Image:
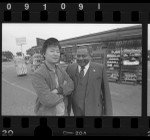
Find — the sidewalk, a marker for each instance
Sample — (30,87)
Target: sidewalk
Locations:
(126,99)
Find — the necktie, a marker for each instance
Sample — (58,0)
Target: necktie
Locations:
(81,72)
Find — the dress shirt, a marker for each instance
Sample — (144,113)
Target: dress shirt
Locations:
(85,68)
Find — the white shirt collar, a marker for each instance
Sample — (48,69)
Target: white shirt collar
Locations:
(85,69)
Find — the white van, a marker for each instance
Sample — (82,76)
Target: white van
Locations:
(20,65)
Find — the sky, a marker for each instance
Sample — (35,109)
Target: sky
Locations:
(11,31)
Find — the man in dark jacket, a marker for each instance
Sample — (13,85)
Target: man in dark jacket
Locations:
(91,95)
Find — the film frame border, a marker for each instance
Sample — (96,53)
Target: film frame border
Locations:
(143,127)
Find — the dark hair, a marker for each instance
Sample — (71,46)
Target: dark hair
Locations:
(49,42)
(85,47)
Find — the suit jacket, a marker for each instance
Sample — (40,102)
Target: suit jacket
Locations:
(43,83)
(98,98)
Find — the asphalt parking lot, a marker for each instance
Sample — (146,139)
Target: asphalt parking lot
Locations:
(18,95)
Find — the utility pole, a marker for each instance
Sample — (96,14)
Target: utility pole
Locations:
(21,50)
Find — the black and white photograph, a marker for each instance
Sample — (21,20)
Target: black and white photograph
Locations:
(148,74)
(55,69)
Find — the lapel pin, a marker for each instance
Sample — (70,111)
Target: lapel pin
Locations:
(93,70)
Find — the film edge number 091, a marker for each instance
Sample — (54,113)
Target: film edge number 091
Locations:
(62,6)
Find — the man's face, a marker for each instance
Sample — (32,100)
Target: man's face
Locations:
(83,57)
(52,54)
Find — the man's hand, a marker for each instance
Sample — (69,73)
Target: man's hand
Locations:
(65,82)
(55,91)
(60,91)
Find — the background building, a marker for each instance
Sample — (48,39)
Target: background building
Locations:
(36,49)
(120,50)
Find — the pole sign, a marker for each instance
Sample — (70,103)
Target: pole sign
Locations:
(21,41)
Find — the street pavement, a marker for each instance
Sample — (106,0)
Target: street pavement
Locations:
(18,95)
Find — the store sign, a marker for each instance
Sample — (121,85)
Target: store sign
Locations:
(21,41)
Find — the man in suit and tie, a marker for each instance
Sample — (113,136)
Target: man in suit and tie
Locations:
(91,95)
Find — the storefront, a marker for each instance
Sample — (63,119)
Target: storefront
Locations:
(124,61)
(120,50)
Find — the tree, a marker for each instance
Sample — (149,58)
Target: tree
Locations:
(19,53)
(7,54)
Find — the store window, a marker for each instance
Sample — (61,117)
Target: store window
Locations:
(124,61)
